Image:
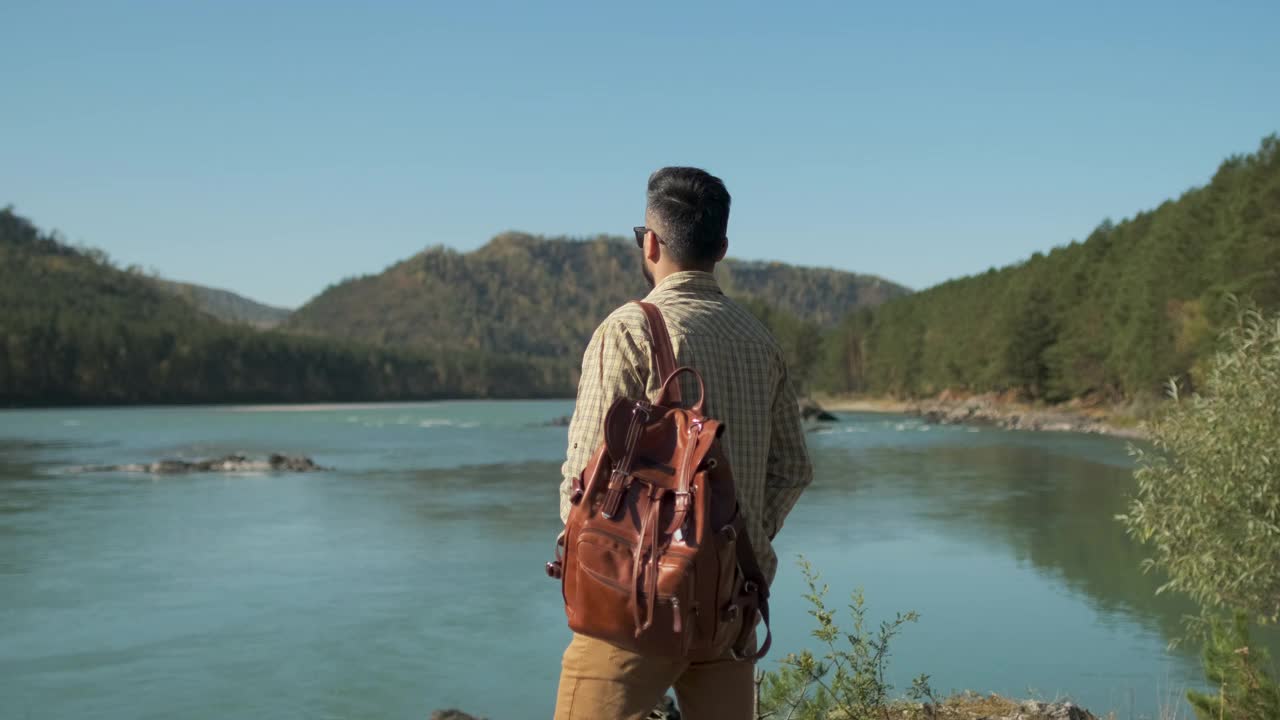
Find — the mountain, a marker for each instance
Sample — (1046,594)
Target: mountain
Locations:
(819,295)
(74,329)
(226,305)
(1114,317)
(544,296)
(508,320)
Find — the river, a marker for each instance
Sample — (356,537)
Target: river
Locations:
(410,576)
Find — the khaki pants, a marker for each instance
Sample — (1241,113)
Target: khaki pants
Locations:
(601,682)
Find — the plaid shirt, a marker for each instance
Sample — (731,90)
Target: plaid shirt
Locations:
(747,388)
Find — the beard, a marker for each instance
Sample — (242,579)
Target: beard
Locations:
(648,276)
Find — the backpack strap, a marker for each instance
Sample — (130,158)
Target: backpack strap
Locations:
(664,358)
(757,585)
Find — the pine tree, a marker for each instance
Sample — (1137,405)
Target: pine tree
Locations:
(1240,672)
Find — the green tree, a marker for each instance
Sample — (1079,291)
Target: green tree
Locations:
(1029,333)
(1239,671)
(801,340)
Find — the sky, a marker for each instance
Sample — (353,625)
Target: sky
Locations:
(274,148)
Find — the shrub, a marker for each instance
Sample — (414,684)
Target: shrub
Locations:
(848,682)
(1208,500)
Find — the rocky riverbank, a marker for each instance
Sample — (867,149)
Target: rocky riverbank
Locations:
(966,706)
(998,411)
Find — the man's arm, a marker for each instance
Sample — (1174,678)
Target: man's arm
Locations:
(612,368)
(788,471)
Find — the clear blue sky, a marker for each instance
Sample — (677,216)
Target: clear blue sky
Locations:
(273,148)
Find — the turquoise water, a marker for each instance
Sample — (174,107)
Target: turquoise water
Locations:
(410,577)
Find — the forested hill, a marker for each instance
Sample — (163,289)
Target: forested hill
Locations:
(1115,316)
(76,330)
(1112,317)
(226,305)
(817,295)
(543,297)
(509,320)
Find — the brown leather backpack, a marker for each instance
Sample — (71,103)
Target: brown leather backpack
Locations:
(655,557)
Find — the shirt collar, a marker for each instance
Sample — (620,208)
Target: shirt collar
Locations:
(688,281)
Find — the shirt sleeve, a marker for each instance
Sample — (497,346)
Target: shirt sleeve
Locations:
(788,470)
(615,365)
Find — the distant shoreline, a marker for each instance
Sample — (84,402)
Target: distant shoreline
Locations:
(946,409)
(282,406)
(989,409)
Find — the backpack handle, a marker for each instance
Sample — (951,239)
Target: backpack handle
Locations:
(674,389)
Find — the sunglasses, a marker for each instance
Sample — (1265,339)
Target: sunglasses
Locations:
(640,231)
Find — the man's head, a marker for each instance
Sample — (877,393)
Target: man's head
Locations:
(687,215)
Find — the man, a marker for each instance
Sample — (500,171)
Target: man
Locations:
(684,236)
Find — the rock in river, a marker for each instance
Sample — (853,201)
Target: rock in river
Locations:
(453,715)
(276,462)
(810,410)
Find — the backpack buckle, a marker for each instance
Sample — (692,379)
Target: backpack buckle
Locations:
(683,499)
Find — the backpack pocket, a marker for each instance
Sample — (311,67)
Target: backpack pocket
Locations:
(721,614)
(605,583)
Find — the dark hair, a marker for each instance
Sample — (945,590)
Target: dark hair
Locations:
(692,209)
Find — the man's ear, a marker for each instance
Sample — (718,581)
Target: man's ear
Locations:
(652,248)
(724,250)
